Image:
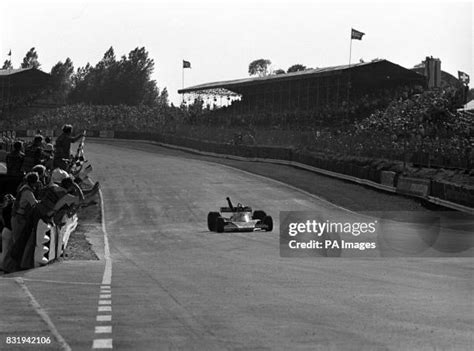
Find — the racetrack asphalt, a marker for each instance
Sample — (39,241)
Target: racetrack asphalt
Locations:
(175,285)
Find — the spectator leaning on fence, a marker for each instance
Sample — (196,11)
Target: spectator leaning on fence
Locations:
(22,208)
(43,178)
(15,160)
(63,147)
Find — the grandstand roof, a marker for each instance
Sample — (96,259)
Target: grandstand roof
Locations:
(7,72)
(24,77)
(237,84)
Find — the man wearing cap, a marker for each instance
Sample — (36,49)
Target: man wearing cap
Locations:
(63,146)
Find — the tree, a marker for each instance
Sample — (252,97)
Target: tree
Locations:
(259,67)
(104,80)
(163,99)
(108,60)
(134,74)
(7,65)
(31,59)
(279,71)
(61,75)
(296,68)
(111,82)
(80,84)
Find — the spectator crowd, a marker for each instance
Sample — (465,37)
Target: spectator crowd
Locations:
(388,124)
(50,189)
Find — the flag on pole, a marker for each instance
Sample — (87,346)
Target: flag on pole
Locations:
(463,77)
(10,53)
(186,64)
(355,34)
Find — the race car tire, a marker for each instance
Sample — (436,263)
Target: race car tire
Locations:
(211,220)
(220,224)
(258,214)
(268,221)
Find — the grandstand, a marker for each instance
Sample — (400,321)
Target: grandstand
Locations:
(21,86)
(313,89)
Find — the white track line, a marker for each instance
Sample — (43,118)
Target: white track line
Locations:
(104,309)
(107,277)
(44,316)
(104,318)
(105,302)
(102,329)
(102,344)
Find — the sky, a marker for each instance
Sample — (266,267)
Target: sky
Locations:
(220,38)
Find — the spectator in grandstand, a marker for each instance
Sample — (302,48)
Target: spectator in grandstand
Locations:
(63,147)
(15,160)
(22,208)
(33,154)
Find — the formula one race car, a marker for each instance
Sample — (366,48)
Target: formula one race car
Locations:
(238,219)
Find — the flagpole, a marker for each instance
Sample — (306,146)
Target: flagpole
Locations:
(350,51)
(182,94)
(9,82)
(349,79)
